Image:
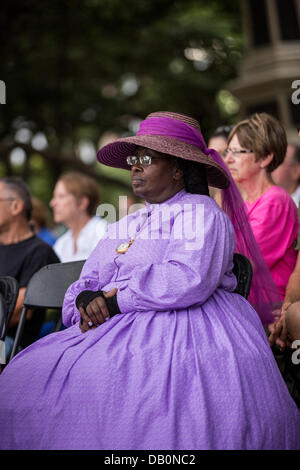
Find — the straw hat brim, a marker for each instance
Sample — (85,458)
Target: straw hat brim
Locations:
(115,153)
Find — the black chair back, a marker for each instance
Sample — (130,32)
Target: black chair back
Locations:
(46,289)
(9,289)
(242,269)
(48,286)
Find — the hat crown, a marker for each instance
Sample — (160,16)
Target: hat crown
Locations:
(180,117)
(176,139)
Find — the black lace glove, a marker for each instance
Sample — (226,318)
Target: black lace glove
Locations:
(86,296)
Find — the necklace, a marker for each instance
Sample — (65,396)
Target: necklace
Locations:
(124,246)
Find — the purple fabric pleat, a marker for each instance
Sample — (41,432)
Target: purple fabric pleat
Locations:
(264,295)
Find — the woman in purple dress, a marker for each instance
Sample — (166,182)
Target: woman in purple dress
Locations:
(159,352)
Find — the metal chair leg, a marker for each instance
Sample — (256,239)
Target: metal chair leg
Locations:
(19,333)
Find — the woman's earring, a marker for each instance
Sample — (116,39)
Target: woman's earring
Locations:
(178,174)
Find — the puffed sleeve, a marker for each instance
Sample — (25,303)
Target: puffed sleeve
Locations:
(189,272)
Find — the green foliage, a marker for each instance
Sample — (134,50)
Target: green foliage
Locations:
(77,69)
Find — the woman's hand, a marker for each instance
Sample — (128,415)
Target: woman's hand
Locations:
(96,312)
(279,334)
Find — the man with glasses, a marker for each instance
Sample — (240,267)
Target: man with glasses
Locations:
(218,139)
(21,253)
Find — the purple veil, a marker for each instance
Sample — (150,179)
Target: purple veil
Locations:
(264,295)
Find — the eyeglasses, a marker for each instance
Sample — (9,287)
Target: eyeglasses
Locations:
(226,129)
(145,160)
(236,151)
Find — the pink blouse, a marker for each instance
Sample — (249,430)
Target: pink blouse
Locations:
(274,221)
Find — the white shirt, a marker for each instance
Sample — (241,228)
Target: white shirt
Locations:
(87,240)
(296,196)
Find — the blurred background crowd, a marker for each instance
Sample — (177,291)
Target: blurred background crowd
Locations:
(78,74)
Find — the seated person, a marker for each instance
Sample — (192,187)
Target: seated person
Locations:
(74,203)
(21,253)
(218,142)
(256,147)
(218,139)
(287,174)
(159,351)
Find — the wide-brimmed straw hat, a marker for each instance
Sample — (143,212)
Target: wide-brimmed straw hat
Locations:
(114,154)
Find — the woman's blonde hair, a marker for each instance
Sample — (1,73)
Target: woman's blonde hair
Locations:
(81,185)
(263,134)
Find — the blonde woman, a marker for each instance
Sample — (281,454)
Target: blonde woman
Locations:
(256,147)
(74,203)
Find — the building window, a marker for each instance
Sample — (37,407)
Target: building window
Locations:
(288,20)
(295,112)
(259,22)
(271,108)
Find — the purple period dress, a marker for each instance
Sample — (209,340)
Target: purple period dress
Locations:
(186,365)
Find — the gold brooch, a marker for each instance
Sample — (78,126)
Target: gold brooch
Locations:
(124,247)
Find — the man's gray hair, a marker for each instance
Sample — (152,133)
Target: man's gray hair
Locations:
(21,190)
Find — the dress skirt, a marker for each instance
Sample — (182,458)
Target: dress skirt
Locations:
(201,378)
(186,365)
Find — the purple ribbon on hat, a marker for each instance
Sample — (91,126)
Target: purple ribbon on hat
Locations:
(170,127)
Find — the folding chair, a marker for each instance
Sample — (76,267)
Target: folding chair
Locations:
(242,269)
(46,289)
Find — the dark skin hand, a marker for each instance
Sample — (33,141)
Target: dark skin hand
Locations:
(96,312)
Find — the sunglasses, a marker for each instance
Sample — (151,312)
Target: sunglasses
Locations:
(145,160)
